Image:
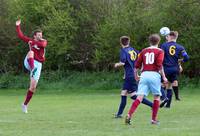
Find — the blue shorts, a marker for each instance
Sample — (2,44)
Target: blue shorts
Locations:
(171,73)
(149,81)
(35,73)
(130,85)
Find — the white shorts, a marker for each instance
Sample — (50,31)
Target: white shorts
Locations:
(35,73)
(149,81)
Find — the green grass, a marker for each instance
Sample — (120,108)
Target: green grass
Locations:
(75,113)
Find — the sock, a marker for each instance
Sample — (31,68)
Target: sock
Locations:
(147,102)
(163,93)
(122,105)
(133,107)
(28,97)
(31,63)
(176,92)
(144,101)
(155,109)
(169,96)
(134,97)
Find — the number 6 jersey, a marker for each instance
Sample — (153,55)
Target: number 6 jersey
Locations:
(173,52)
(150,59)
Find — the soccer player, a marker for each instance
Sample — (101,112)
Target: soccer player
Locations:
(128,55)
(33,60)
(174,53)
(150,62)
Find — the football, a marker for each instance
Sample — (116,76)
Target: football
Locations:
(164,31)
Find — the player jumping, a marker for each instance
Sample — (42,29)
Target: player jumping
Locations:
(33,60)
(172,59)
(128,56)
(150,62)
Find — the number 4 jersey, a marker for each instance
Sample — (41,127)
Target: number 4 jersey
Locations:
(150,59)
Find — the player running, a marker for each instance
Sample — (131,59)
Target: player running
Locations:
(150,62)
(174,53)
(128,56)
(33,60)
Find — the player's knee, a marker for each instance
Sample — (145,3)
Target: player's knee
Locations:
(32,88)
(123,93)
(157,97)
(175,83)
(140,97)
(30,54)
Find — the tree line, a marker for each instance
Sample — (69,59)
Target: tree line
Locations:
(84,34)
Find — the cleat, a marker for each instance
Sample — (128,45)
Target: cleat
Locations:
(164,102)
(24,108)
(118,116)
(128,120)
(155,122)
(178,99)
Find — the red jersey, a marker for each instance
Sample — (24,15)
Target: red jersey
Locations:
(38,47)
(150,59)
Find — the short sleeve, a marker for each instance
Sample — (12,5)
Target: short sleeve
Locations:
(122,56)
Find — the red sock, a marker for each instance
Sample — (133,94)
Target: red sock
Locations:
(133,107)
(28,97)
(155,109)
(31,63)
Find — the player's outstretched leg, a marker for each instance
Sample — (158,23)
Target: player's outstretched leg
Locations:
(164,98)
(29,95)
(169,96)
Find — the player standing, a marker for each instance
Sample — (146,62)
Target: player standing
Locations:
(128,56)
(174,53)
(33,60)
(150,62)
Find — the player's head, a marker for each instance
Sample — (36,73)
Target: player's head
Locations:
(154,39)
(37,34)
(124,40)
(172,36)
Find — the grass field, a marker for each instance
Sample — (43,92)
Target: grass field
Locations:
(90,113)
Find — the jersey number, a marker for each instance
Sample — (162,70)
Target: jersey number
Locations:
(172,50)
(133,55)
(149,57)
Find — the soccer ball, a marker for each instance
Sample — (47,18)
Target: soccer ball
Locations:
(164,31)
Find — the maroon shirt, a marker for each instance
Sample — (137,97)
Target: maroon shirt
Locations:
(38,47)
(150,59)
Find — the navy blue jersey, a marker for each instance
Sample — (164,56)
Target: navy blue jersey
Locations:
(173,52)
(128,56)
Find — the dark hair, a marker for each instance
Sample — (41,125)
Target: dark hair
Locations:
(173,34)
(124,40)
(37,31)
(154,39)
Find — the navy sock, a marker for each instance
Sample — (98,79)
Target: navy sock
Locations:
(122,105)
(169,96)
(144,101)
(134,97)
(163,93)
(147,102)
(176,92)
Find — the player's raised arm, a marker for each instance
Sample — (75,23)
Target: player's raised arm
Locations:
(20,33)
